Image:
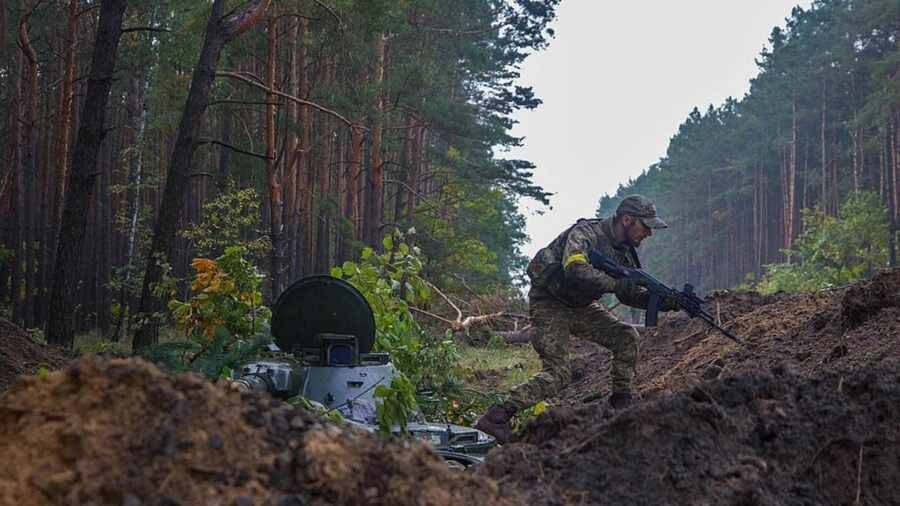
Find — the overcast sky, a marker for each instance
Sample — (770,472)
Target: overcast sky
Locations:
(616,82)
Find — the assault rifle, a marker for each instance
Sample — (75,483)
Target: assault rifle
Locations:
(686,299)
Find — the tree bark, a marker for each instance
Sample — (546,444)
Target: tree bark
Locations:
(306,248)
(272,176)
(60,329)
(219,32)
(64,114)
(375,201)
(893,190)
(137,115)
(823,197)
(792,177)
(354,181)
(289,216)
(27,169)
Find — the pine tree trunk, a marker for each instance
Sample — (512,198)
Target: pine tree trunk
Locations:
(291,171)
(272,176)
(28,168)
(791,212)
(355,179)
(375,206)
(60,328)
(323,187)
(219,31)
(893,189)
(305,250)
(403,194)
(823,196)
(137,123)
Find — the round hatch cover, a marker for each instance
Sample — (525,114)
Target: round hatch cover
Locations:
(321,305)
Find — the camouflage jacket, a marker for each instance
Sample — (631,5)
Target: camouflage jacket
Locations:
(561,270)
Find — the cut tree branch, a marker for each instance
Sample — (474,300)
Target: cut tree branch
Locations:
(331,11)
(242,102)
(229,146)
(239,77)
(145,29)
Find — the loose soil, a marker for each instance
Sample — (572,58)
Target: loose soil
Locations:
(805,414)
(121,432)
(20,354)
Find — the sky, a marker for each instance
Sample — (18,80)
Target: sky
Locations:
(617,80)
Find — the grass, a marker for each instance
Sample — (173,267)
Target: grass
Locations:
(94,342)
(498,367)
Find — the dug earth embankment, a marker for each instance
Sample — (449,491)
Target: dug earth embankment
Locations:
(806,413)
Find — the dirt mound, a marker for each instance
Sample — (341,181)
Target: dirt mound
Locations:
(20,354)
(838,330)
(805,414)
(122,432)
(772,438)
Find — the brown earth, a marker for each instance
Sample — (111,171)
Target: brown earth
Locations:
(805,414)
(20,354)
(122,432)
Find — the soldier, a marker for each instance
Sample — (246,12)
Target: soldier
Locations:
(563,299)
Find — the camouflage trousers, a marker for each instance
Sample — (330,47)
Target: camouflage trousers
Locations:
(554,322)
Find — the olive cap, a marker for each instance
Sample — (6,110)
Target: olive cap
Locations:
(641,208)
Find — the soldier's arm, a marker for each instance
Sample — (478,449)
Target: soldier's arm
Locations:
(632,295)
(578,271)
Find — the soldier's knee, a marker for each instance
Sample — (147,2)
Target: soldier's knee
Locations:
(628,347)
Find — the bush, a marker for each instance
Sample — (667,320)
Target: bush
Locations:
(391,283)
(224,320)
(833,251)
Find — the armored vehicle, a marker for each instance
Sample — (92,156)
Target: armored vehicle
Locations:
(324,331)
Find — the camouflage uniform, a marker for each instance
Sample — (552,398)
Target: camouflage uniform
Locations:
(564,297)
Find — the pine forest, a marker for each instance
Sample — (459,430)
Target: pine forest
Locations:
(821,122)
(301,252)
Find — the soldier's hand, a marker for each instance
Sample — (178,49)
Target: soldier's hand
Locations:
(670,304)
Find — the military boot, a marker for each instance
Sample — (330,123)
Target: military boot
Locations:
(496,423)
(620,400)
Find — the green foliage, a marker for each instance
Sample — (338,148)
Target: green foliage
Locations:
(103,347)
(834,251)
(215,359)
(824,80)
(474,234)
(524,417)
(6,255)
(231,219)
(398,404)
(226,294)
(332,415)
(391,283)
(224,320)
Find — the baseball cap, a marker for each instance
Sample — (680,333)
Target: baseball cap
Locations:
(642,208)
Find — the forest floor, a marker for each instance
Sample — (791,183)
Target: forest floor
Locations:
(806,414)
(21,354)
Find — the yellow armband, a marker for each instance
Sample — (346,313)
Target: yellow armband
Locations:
(576,258)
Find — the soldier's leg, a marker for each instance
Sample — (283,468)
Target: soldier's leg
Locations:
(602,327)
(552,321)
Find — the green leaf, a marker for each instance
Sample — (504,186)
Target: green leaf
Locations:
(336,272)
